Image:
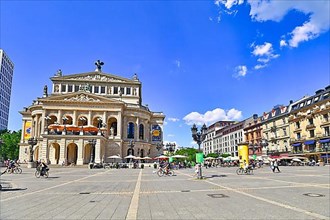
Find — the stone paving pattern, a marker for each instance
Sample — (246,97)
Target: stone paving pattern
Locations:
(82,193)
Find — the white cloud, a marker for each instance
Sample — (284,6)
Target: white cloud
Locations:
(178,63)
(240,71)
(317,23)
(261,50)
(173,119)
(210,117)
(283,43)
(260,66)
(170,135)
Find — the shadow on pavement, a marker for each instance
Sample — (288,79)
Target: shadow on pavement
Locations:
(213,176)
(4,189)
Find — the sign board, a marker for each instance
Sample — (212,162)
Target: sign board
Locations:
(199,158)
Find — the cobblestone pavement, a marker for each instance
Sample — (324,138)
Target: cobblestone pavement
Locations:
(81,193)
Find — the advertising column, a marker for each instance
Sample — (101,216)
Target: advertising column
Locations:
(243,154)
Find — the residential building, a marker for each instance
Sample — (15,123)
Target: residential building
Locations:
(89,117)
(6,78)
(226,139)
(208,143)
(310,125)
(252,135)
(275,129)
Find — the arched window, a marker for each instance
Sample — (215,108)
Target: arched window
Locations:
(141,131)
(114,127)
(130,130)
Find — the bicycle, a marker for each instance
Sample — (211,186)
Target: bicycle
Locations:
(241,171)
(162,172)
(39,172)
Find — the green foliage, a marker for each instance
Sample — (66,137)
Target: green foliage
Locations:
(224,155)
(9,148)
(189,152)
(214,155)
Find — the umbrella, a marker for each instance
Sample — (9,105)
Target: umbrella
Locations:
(56,126)
(72,128)
(179,156)
(209,158)
(130,157)
(114,157)
(90,128)
(146,158)
(296,159)
(162,157)
(138,158)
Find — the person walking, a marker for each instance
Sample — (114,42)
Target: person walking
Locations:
(276,166)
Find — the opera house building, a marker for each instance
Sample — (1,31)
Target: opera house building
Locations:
(89,117)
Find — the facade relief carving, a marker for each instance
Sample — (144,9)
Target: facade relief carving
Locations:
(82,98)
(97,78)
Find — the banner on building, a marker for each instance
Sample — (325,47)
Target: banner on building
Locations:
(156,132)
(27,130)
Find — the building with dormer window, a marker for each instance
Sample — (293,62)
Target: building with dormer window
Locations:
(89,117)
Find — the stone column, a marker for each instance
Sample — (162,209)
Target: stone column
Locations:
(80,156)
(136,135)
(63,150)
(119,126)
(98,151)
(89,118)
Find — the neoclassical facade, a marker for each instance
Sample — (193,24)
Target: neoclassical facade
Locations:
(90,117)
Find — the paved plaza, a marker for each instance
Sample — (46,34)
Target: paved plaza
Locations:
(81,193)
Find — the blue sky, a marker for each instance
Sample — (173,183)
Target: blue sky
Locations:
(199,61)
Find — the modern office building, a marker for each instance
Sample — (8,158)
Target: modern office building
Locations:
(89,117)
(6,78)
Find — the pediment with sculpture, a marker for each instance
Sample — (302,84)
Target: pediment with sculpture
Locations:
(80,97)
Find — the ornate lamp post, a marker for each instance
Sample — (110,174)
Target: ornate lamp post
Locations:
(82,122)
(264,144)
(170,147)
(31,141)
(199,137)
(159,146)
(326,146)
(47,119)
(92,143)
(64,123)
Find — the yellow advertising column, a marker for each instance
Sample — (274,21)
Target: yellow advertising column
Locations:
(243,154)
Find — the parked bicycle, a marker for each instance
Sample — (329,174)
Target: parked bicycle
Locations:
(241,171)
(161,172)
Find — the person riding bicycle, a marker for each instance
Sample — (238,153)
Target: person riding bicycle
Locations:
(44,167)
(245,166)
(167,168)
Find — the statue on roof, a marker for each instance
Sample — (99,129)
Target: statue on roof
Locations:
(45,91)
(99,65)
(135,77)
(58,73)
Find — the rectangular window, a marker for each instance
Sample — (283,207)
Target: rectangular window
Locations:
(102,89)
(70,88)
(122,90)
(284,132)
(128,91)
(297,125)
(298,136)
(115,90)
(310,121)
(63,88)
(96,89)
(311,133)
(76,88)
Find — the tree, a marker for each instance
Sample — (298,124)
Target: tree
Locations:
(9,148)
(214,155)
(189,152)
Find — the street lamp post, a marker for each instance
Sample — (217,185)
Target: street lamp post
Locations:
(326,145)
(31,141)
(82,122)
(64,123)
(47,119)
(92,143)
(170,147)
(264,144)
(159,146)
(199,137)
